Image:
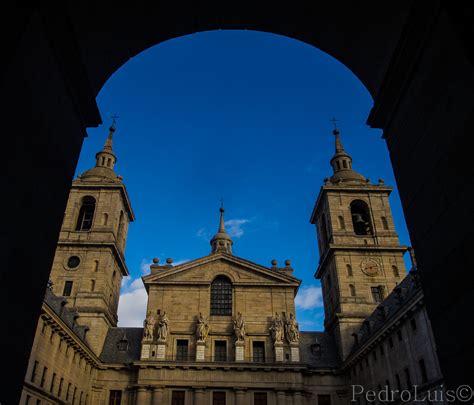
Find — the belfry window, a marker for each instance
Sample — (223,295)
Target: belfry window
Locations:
(86,214)
(377,293)
(361,218)
(352,290)
(221,296)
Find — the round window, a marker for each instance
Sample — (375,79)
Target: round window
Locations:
(73,262)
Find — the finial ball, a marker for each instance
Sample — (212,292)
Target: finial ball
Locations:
(169,260)
(156,260)
(287,262)
(274,262)
(335,131)
(221,209)
(111,128)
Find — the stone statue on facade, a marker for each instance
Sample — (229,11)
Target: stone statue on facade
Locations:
(202,328)
(276,329)
(292,329)
(239,327)
(163,327)
(149,326)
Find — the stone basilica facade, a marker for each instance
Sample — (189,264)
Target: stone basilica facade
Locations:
(221,329)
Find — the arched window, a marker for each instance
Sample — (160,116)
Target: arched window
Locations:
(385,223)
(221,296)
(349,270)
(352,290)
(120,226)
(96,265)
(361,218)
(323,232)
(92,285)
(396,273)
(342,224)
(86,214)
(106,218)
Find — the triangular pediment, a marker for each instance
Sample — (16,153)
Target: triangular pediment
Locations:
(205,269)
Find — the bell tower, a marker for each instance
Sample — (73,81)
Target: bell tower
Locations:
(89,262)
(361,259)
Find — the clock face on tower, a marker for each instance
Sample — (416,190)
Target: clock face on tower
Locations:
(369,267)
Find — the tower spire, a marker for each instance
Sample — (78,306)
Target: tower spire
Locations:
(106,157)
(341,162)
(221,241)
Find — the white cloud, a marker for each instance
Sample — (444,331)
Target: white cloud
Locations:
(203,233)
(145,266)
(132,304)
(309,297)
(234,227)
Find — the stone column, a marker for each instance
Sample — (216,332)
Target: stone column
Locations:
(281,398)
(239,396)
(297,398)
(143,396)
(157,396)
(199,396)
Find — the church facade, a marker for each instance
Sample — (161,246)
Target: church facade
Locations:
(223,330)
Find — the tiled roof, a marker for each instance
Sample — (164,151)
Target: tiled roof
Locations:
(394,303)
(325,356)
(67,315)
(112,354)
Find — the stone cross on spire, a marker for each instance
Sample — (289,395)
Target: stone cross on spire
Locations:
(221,241)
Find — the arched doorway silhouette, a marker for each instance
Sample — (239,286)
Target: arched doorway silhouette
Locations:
(415,59)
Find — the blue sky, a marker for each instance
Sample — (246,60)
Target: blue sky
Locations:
(242,115)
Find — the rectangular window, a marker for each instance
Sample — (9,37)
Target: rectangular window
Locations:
(407,378)
(260,398)
(374,354)
(67,392)
(377,294)
(413,325)
(53,380)
(67,289)
(382,352)
(324,399)
(178,397)
(115,397)
(27,401)
(182,350)
(424,375)
(259,352)
(43,327)
(43,376)
(390,342)
(218,398)
(220,350)
(33,372)
(74,396)
(399,335)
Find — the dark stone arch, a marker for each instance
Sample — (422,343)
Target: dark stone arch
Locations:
(415,58)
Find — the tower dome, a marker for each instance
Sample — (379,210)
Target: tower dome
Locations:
(221,242)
